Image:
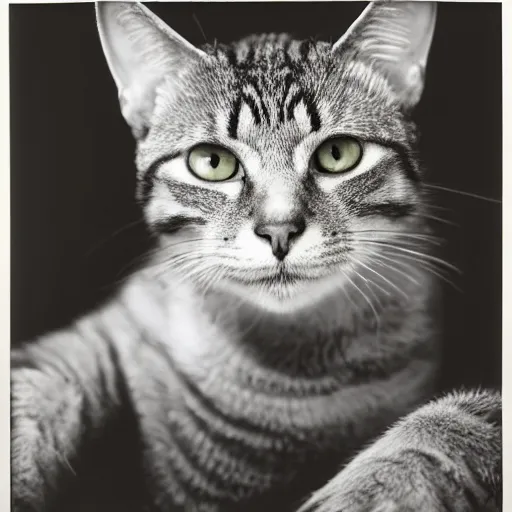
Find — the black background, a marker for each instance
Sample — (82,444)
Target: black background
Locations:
(74,217)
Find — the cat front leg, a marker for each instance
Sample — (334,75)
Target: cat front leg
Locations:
(444,457)
(62,395)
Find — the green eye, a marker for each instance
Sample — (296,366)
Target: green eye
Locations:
(212,163)
(338,155)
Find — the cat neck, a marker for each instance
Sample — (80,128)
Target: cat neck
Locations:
(219,332)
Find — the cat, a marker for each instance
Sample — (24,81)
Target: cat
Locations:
(280,347)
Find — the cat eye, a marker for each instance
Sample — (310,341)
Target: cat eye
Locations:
(340,154)
(212,163)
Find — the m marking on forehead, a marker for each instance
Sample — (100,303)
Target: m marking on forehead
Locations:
(299,106)
(307,99)
(252,98)
(244,100)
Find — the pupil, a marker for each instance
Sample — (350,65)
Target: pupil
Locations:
(335,152)
(214,160)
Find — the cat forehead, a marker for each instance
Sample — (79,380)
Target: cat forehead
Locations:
(270,79)
(273,65)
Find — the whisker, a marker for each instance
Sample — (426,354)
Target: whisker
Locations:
(415,236)
(384,279)
(378,257)
(426,265)
(179,263)
(365,298)
(429,257)
(369,282)
(436,218)
(346,293)
(196,19)
(463,193)
(196,272)
(395,250)
(108,238)
(433,206)
(62,457)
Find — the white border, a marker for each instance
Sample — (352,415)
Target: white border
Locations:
(507,245)
(5,254)
(5,213)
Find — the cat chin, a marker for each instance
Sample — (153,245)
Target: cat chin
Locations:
(289,298)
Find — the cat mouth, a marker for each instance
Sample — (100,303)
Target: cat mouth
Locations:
(281,276)
(284,287)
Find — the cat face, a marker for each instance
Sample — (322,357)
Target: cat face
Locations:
(281,170)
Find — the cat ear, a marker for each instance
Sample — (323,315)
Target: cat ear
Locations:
(396,37)
(141,50)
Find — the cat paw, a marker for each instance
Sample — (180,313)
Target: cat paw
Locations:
(410,481)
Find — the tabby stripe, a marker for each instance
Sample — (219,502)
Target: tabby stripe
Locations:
(351,372)
(286,47)
(307,98)
(312,111)
(231,56)
(192,477)
(236,109)
(228,431)
(249,57)
(304,50)
(257,90)
(408,167)
(149,175)
(403,153)
(251,103)
(388,209)
(436,467)
(234,118)
(293,103)
(204,200)
(288,61)
(214,463)
(108,377)
(257,451)
(177,222)
(119,384)
(207,405)
(287,84)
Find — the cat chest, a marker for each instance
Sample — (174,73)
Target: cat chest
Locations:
(222,451)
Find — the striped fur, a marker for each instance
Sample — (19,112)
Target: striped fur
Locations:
(249,382)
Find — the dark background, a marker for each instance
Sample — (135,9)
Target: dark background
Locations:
(74,218)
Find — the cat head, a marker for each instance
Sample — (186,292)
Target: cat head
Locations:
(281,170)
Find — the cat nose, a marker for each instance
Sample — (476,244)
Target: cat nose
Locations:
(280,235)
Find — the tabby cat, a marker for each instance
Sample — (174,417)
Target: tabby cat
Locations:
(279,347)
